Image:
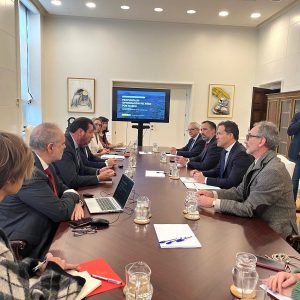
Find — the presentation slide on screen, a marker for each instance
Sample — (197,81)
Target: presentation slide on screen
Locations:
(141,104)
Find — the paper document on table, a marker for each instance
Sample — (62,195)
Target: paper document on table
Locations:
(200,186)
(117,157)
(145,152)
(154,173)
(187,179)
(119,148)
(275,295)
(90,283)
(176,236)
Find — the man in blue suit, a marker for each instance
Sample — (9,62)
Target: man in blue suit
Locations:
(195,145)
(294,150)
(234,160)
(210,155)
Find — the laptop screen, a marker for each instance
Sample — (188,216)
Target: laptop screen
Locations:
(123,190)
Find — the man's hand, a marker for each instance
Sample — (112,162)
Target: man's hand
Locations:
(77,213)
(106,175)
(61,262)
(205,193)
(193,172)
(173,150)
(282,283)
(199,177)
(181,160)
(111,162)
(205,201)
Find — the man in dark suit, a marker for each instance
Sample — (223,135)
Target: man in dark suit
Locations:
(294,150)
(210,155)
(195,145)
(71,168)
(234,160)
(33,214)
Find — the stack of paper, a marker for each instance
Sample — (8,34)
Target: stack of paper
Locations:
(154,173)
(275,295)
(143,152)
(117,157)
(176,236)
(191,183)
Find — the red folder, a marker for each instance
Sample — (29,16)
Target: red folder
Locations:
(100,267)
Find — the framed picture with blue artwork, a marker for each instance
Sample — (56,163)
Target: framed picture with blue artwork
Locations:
(81,95)
(220,101)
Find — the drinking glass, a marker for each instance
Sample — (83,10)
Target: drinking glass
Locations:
(163,157)
(142,209)
(132,161)
(129,172)
(139,286)
(155,147)
(174,172)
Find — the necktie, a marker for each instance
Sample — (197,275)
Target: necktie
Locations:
(206,145)
(78,156)
(52,181)
(192,144)
(223,163)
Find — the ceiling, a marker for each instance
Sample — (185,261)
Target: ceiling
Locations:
(174,10)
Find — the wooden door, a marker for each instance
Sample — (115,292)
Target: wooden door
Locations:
(259,104)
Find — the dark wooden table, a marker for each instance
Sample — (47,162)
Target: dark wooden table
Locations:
(189,274)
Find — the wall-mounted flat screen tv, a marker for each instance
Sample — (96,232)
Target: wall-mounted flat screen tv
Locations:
(140,105)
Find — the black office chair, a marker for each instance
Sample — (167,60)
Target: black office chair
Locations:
(294,241)
(18,246)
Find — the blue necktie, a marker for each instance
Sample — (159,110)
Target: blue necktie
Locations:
(222,163)
(192,144)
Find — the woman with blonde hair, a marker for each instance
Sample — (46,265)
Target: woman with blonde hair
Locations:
(16,165)
(95,145)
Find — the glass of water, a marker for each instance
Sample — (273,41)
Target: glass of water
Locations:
(155,147)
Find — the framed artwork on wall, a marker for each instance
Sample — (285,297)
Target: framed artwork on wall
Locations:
(81,95)
(220,101)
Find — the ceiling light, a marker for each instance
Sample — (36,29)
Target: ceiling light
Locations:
(158,9)
(255,15)
(90,4)
(223,13)
(191,11)
(125,7)
(56,2)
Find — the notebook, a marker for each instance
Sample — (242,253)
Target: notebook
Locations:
(116,203)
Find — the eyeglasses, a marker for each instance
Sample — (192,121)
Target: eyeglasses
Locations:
(190,129)
(84,230)
(249,135)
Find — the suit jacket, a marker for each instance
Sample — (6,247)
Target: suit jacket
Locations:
(294,130)
(208,158)
(196,149)
(90,160)
(238,162)
(73,172)
(34,213)
(265,192)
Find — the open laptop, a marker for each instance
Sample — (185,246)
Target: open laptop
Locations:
(116,203)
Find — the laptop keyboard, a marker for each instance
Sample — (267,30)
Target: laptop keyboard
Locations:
(105,204)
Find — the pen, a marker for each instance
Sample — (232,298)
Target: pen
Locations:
(39,265)
(106,279)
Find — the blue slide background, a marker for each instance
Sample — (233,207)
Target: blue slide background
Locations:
(141,105)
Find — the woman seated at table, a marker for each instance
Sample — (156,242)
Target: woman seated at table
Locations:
(95,145)
(105,143)
(16,164)
(287,284)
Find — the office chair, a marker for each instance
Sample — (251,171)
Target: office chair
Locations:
(18,246)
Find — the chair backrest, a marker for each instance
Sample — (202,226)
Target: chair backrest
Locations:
(290,166)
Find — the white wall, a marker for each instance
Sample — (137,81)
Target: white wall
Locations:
(110,50)
(278,57)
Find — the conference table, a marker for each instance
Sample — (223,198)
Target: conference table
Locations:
(200,273)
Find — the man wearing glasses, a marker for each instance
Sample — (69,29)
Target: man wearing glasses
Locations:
(195,145)
(266,189)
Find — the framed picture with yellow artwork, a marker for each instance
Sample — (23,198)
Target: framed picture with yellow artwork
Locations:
(81,95)
(220,101)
